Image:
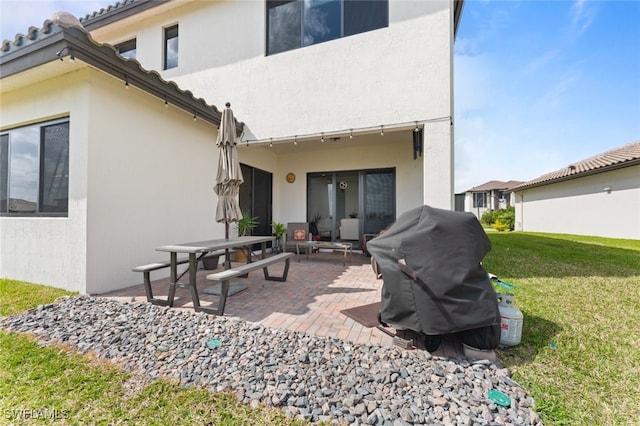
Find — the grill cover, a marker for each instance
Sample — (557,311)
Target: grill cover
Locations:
(433,280)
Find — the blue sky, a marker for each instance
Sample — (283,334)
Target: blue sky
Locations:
(538,84)
(542,84)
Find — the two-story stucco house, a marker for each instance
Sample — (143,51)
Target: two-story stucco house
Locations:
(107,131)
(492,195)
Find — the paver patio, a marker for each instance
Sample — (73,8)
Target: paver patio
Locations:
(309,301)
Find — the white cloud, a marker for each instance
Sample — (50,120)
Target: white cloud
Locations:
(541,61)
(582,15)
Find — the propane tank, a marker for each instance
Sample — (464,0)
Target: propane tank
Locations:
(511,320)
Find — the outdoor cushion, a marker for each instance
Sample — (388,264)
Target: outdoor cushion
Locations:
(299,234)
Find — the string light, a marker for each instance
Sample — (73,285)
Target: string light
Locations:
(126,81)
(68,49)
(166,103)
(194,116)
(402,126)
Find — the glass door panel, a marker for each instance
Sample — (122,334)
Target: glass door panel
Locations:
(348,205)
(321,205)
(344,205)
(379,200)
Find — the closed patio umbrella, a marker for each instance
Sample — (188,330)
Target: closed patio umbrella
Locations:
(229,176)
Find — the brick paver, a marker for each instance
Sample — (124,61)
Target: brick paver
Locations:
(309,301)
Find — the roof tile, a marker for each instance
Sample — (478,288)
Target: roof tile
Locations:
(628,154)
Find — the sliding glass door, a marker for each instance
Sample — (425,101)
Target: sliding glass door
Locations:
(256,197)
(379,209)
(343,205)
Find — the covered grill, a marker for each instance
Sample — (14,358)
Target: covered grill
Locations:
(434,283)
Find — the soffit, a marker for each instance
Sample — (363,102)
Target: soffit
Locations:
(53,42)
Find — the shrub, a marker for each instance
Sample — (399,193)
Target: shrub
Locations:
(489,217)
(505,219)
(499,226)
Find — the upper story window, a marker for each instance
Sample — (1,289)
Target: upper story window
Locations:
(170,47)
(34,170)
(296,23)
(127,49)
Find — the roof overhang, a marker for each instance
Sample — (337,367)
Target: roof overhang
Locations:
(119,11)
(634,162)
(56,43)
(458,5)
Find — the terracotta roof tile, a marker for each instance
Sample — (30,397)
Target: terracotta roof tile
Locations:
(105,57)
(495,185)
(90,18)
(107,9)
(619,157)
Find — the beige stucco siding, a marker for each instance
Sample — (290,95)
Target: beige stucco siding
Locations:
(398,74)
(396,152)
(39,249)
(582,206)
(152,172)
(149,172)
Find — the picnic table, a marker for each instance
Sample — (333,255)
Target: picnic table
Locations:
(196,251)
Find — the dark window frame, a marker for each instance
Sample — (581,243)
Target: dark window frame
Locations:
(126,47)
(170,34)
(349,24)
(482,197)
(43,149)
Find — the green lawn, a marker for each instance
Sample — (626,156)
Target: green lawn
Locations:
(59,384)
(579,356)
(581,296)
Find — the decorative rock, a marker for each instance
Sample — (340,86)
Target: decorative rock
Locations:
(317,379)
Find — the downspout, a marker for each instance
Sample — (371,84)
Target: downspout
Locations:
(521,201)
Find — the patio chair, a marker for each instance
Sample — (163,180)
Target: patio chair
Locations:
(296,231)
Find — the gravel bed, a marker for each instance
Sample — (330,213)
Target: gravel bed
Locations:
(318,379)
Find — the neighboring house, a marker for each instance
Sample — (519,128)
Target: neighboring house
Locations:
(492,195)
(599,196)
(103,160)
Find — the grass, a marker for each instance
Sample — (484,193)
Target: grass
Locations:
(61,386)
(581,294)
(18,296)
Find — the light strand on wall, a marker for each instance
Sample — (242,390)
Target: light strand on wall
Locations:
(335,135)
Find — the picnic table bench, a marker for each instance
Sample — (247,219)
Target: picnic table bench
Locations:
(155,266)
(223,277)
(199,250)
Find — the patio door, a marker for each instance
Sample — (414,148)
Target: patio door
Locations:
(365,199)
(256,197)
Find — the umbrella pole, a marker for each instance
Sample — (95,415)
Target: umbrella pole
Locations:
(227,260)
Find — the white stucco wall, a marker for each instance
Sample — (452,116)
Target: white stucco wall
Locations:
(396,152)
(398,74)
(583,207)
(141,176)
(152,172)
(45,250)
